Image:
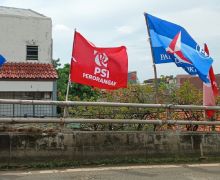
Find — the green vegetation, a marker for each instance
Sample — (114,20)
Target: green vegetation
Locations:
(76,91)
(169,93)
(109,162)
(134,93)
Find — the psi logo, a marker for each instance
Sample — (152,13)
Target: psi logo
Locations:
(101,60)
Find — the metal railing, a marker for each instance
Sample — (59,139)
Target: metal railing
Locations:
(107,104)
(167,107)
(118,121)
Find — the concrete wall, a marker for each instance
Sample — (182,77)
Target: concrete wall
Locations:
(31,147)
(19,31)
(26,86)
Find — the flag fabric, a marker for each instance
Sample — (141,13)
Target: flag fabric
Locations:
(172,43)
(210,90)
(104,68)
(212,75)
(2,60)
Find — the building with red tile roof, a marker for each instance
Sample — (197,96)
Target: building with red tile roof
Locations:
(26,43)
(28,71)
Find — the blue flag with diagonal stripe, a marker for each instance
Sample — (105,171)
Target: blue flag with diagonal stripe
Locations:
(172,43)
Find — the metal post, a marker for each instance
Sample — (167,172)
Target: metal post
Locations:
(154,65)
(65,113)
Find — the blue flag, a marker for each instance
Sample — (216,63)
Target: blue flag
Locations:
(2,60)
(172,43)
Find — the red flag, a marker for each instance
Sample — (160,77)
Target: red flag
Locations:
(210,90)
(104,68)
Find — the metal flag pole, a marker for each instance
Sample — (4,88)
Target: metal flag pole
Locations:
(154,65)
(65,112)
(67,94)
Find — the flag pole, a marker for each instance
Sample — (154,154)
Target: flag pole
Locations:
(154,65)
(67,94)
(65,112)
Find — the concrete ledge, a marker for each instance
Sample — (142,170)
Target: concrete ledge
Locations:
(97,145)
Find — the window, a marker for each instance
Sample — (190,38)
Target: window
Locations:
(6,95)
(32,53)
(26,95)
(47,95)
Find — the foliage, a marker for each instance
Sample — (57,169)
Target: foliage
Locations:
(187,94)
(56,63)
(76,91)
(132,94)
(168,92)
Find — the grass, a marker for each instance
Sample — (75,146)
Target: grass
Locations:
(109,162)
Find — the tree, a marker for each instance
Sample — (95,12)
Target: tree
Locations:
(166,89)
(188,94)
(56,63)
(76,91)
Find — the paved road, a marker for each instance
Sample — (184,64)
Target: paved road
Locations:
(157,172)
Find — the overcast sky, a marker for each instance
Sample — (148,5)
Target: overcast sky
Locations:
(121,22)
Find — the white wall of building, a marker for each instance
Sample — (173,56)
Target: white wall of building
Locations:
(26,86)
(18,31)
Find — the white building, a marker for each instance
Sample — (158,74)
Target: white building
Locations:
(26,43)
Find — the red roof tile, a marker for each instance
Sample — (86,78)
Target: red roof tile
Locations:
(22,70)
